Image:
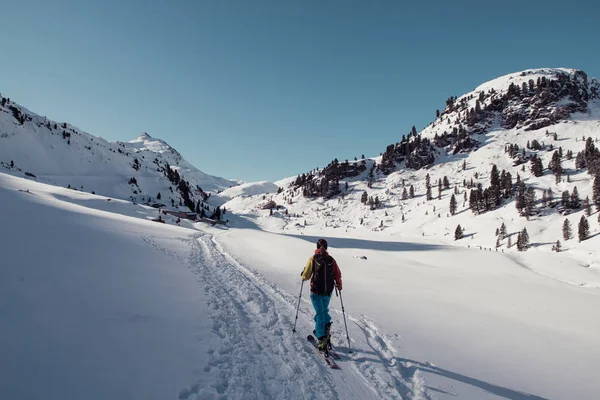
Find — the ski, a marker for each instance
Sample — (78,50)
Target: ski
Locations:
(330,349)
(327,356)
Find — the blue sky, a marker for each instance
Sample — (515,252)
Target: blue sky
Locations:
(261,90)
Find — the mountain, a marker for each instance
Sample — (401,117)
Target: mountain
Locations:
(102,299)
(61,154)
(520,150)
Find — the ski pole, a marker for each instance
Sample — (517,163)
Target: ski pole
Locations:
(344,314)
(298,308)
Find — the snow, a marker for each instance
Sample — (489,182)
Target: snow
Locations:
(90,163)
(102,302)
(207,312)
(245,190)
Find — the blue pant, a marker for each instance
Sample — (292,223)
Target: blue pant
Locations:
(322,317)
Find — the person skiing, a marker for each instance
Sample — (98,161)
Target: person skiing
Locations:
(324,273)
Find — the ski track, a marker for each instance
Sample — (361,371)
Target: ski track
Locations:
(258,356)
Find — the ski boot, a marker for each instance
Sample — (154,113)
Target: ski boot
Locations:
(328,335)
(322,346)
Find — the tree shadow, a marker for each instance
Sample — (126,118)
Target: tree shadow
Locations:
(541,244)
(594,235)
(351,243)
(462,211)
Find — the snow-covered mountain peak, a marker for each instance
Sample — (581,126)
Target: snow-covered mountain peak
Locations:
(502,83)
(60,154)
(145,142)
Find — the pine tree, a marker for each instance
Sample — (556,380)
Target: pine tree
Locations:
(498,243)
(458,233)
(596,191)
(404,194)
(587,206)
(428,193)
(446,183)
(523,240)
(574,202)
(529,201)
(583,229)
(158,196)
(557,246)
(452,205)
(536,166)
(567,231)
(464,165)
(502,231)
(509,245)
(565,199)
(364,197)
(411,191)
(520,200)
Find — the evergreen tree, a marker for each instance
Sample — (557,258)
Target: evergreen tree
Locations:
(364,197)
(428,193)
(574,201)
(474,201)
(427,180)
(583,229)
(529,201)
(520,200)
(557,246)
(523,240)
(536,166)
(567,231)
(446,183)
(544,198)
(458,233)
(587,206)
(404,194)
(565,200)
(464,165)
(452,205)
(411,191)
(596,191)
(502,231)
(158,196)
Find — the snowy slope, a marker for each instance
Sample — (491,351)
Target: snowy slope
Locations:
(60,154)
(418,219)
(133,322)
(113,305)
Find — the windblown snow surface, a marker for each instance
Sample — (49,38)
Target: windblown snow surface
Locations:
(101,302)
